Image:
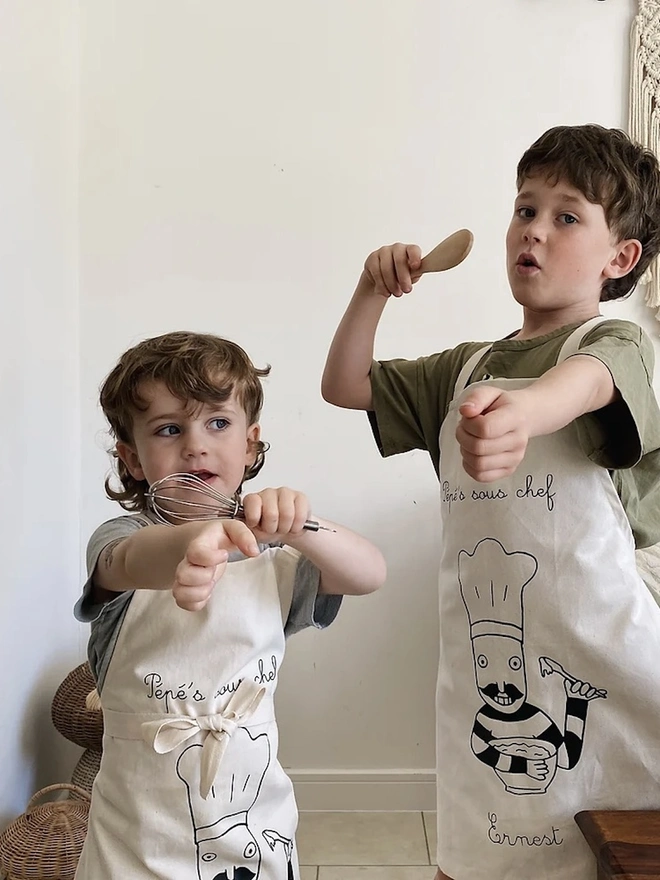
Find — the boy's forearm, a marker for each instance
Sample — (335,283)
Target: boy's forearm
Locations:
(349,564)
(145,560)
(346,380)
(579,385)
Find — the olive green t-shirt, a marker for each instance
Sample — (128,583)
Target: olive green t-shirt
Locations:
(411,399)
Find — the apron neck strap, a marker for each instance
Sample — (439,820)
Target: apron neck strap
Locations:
(572,344)
(570,347)
(468,368)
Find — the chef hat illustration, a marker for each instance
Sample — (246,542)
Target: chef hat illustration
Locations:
(492,583)
(235,788)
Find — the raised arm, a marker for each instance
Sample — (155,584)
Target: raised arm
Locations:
(581,384)
(389,271)
(190,558)
(163,557)
(496,425)
(349,564)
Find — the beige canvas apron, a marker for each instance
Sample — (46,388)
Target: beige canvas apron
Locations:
(189,786)
(548,697)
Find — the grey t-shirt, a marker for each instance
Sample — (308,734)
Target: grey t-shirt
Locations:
(308,607)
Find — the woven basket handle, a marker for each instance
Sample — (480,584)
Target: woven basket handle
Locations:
(66,786)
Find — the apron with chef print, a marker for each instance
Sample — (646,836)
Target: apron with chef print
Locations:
(189,786)
(548,695)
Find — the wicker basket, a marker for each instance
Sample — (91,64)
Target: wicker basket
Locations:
(46,841)
(85,771)
(70,714)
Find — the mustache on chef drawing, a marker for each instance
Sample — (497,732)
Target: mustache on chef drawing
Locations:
(493,690)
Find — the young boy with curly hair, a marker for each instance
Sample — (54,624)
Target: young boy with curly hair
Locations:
(189,624)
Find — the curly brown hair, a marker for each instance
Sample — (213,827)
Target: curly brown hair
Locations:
(609,170)
(195,367)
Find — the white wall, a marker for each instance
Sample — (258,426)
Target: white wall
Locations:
(39,399)
(238,163)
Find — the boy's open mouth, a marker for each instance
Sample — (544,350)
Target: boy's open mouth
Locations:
(203,475)
(528,261)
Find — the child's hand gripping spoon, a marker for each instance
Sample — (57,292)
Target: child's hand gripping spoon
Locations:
(449,253)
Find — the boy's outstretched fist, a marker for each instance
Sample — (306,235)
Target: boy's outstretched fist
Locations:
(206,560)
(392,270)
(493,433)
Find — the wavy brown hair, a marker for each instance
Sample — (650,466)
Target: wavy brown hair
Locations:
(196,368)
(609,170)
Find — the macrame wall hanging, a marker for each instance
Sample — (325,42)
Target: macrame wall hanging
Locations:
(644,107)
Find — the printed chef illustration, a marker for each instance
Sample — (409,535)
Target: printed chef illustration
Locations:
(229,846)
(517,740)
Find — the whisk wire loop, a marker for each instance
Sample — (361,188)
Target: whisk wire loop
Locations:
(188,498)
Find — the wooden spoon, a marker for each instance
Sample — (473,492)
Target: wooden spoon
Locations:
(449,253)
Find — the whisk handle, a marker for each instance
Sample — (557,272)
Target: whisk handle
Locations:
(309,525)
(312,526)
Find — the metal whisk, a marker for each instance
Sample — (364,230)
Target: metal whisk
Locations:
(187,498)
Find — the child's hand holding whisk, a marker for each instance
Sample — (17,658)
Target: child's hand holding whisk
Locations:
(275,514)
(270,515)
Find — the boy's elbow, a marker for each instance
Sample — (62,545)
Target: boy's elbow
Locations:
(376,579)
(331,391)
(326,392)
(372,587)
(381,573)
(369,579)
(353,396)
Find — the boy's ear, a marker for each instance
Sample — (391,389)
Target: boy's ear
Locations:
(628,254)
(253,436)
(130,458)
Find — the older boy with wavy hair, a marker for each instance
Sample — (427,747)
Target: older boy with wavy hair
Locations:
(547,447)
(189,784)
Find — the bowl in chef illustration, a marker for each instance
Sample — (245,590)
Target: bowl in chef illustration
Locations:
(519,741)
(540,758)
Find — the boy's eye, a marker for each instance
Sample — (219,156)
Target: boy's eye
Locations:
(167,431)
(219,424)
(568,219)
(525,213)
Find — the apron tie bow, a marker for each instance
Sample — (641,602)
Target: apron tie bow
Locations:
(165,735)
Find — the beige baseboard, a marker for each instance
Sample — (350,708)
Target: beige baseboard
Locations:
(370,791)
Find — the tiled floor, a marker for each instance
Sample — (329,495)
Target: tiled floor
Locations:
(366,846)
